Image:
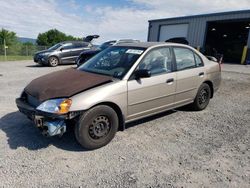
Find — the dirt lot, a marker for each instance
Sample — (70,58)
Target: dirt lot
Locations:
(179,148)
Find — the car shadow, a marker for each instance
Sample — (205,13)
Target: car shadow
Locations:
(186,108)
(21,132)
(46,66)
(35,66)
(148,119)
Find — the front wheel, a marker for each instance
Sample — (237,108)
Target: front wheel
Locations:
(202,98)
(96,127)
(53,61)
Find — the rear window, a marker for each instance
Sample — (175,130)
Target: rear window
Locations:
(184,58)
(68,46)
(198,60)
(80,45)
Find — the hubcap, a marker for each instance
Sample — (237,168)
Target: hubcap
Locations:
(203,96)
(99,127)
(53,61)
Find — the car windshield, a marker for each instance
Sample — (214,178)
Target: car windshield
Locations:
(56,46)
(114,61)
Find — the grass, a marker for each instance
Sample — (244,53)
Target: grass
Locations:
(15,58)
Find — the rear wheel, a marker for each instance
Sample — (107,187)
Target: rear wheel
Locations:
(202,98)
(53,61)
(96,127)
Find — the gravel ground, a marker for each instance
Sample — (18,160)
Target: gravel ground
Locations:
(179,148)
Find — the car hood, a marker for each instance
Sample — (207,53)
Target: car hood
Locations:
(64,83)
(43,51)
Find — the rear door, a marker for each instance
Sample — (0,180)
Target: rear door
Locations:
(71,51)
(156,93)
(78,48)
(190,74)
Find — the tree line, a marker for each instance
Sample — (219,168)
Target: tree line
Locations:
(52,37)
(46,39)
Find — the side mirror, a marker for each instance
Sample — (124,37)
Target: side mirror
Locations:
(61,49)
(143,73)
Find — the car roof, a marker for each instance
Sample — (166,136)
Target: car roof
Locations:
(127,40)
(151,44)
(74,42)
(142,44)
(110,41)
(139,44)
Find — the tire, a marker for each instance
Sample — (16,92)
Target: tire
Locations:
(97,127)
(202,98)
(53,61)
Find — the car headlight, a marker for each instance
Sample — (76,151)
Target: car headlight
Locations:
(43,54)
(58,106)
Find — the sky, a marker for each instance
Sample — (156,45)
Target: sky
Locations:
(111,19)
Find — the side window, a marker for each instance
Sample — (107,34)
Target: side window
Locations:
(77,45)
(198,60)
(184,58)
(67,46)
(81,45)
(158,61)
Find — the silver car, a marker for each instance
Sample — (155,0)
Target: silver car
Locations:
(121,84)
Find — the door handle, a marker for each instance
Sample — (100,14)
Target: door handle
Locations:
(201,74)
(170,80)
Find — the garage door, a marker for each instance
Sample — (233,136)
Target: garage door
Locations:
(172,31)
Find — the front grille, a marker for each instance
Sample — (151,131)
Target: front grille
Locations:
(33,101)
(36,57)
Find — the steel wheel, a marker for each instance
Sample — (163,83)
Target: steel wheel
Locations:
(97,127)
(203,96)
(100,127)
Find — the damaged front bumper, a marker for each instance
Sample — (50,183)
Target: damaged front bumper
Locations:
(50,124)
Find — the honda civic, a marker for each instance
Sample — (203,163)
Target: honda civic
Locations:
(122,83)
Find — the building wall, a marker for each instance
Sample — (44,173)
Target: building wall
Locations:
(197,25)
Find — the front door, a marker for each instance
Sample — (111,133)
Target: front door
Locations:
(156,93)
(66,53)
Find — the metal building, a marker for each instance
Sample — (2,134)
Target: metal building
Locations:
(224,33)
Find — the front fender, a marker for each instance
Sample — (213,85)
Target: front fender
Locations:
(115,92)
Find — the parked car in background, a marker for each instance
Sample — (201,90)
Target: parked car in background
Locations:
(121,84)
(64,52)
(180,40)
(86,55)
(61,53)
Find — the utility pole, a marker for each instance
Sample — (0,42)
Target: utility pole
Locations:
(4,46)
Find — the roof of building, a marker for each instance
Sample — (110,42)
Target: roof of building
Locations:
(203,15)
